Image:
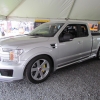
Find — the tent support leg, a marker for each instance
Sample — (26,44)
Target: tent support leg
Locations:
(70,10)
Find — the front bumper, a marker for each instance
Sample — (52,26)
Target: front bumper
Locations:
(11,71)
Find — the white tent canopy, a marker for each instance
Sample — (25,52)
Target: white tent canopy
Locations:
(50,9)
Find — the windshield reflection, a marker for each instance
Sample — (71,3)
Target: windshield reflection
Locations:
(47,29)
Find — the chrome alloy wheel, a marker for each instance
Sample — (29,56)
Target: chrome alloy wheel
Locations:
(40,69)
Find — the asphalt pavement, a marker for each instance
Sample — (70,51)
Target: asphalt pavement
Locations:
(76,82)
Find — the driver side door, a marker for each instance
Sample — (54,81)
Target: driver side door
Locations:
(69,51)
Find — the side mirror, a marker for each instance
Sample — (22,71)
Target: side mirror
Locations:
(67,37)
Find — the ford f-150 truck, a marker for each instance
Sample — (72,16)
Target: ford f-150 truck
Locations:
(47,48)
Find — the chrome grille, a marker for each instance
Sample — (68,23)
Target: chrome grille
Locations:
(3,55)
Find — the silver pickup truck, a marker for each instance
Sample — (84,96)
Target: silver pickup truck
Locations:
(47,48)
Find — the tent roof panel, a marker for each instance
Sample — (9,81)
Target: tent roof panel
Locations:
(86,10)
(43,9)
(30,9)
(7,6)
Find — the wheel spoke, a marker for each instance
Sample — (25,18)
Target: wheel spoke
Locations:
(44,62)
(36,74)
(38,63)
(41,74)
(33,69)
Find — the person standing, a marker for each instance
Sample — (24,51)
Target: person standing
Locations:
(2,31)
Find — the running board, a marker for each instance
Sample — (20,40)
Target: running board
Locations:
(79,61)
(92,56)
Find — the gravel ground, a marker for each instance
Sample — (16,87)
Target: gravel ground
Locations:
(76,82)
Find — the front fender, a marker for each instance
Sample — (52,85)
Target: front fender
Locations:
(39,51)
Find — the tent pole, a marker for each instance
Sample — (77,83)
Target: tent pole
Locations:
(2,17)
(70,10)
(15,8)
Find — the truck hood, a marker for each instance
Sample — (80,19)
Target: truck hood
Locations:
(21,40)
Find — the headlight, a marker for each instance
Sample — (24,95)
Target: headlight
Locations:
(14,55)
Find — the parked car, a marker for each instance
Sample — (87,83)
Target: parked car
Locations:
(47,48)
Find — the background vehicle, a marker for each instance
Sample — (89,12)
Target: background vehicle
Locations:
(47,48)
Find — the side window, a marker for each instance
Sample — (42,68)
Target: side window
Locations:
(83,31)
(73,30)
(70,31)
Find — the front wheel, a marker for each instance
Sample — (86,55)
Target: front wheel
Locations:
(38,69)
(98,54)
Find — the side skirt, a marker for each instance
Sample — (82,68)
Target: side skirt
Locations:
(78,61)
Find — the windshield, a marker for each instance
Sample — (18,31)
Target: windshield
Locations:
(46,30)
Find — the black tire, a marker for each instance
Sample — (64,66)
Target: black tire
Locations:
(98,54)
(33,64)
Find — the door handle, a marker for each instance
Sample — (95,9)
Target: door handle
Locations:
(79,42)
(70,39)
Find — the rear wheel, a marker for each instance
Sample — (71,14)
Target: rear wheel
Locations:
(38,69)
(98,54)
